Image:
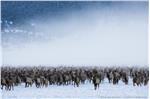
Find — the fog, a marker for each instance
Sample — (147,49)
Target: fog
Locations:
(83,38)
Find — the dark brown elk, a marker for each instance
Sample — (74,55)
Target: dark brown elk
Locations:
(96,81)
(3,83)
(83,77)
(28,82)
(109,76)
(125,77)
(76,81)
(116,77)
(38,82)
(9,84)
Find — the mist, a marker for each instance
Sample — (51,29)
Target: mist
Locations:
(89,37)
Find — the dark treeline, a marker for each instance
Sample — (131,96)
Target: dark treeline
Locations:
(46,76)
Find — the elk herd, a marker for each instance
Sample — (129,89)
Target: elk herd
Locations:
(46,76)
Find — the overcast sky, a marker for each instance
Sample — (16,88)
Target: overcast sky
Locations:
(75,33)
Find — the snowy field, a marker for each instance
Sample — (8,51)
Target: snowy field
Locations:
(105,90)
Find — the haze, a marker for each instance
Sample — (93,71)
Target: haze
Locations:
(114,35)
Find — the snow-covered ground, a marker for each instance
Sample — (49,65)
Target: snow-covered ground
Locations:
(105,90)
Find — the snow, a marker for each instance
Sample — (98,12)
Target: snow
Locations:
(105,90)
